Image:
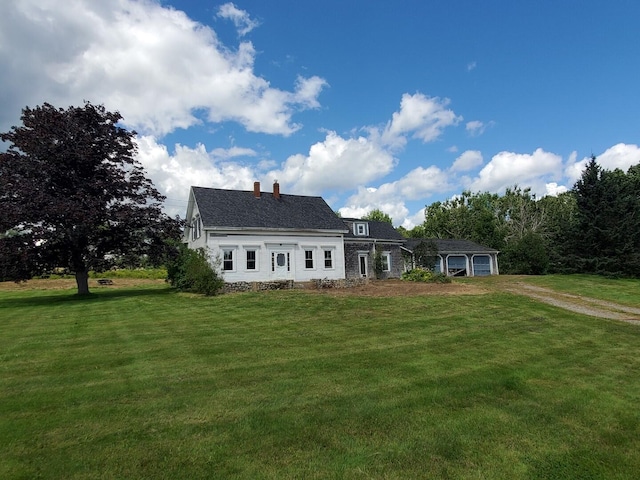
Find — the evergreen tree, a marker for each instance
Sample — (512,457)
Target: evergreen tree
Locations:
(560,227)
(606,237)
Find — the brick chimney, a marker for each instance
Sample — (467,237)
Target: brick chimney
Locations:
(256,189)
(276,190)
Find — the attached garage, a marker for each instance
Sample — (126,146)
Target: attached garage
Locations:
(457,258)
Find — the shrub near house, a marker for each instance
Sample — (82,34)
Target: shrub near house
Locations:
(425,275)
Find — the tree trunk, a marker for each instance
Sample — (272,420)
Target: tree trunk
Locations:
(82,280)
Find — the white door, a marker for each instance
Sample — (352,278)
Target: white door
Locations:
(281,264)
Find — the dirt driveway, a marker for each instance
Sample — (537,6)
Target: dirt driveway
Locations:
(575,303)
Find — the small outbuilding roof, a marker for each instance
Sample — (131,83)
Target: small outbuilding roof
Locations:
(448,246)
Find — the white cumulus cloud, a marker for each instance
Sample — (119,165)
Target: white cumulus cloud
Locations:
(412,220)
(527,170)
(469,160)
(476,128)
(159,68)
(368,199)
(173,173)
(240,18)
(336,163)
(620,156)
(390,197)
(553,189)
(421,117)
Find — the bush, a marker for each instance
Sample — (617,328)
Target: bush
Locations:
(425,275)
(526,256)
(191,271)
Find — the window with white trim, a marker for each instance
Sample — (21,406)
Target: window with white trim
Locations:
(386,261)
(228,259)
(308,259)
(360,229)
(328,259)
(252,262)
(481,265)
(196,228)
(457,265)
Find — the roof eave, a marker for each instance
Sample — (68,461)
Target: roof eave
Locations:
(373,239)
(274,230)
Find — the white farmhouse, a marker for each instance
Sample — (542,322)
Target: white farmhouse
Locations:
(264,236)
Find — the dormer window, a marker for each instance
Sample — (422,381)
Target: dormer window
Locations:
(361,229)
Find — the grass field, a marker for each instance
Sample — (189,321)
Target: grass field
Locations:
(148,383)
(625,291)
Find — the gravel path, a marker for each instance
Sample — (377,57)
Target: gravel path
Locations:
(578,304)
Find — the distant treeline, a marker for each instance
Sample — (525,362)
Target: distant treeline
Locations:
(593,228)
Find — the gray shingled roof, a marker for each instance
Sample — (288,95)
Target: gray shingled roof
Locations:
(377,230)
(450,245)
(241,209)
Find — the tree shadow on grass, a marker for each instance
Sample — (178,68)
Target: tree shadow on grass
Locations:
(58,297)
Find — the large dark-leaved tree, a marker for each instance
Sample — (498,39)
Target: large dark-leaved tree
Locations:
(72,195)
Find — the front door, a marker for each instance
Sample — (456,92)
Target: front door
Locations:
(281,264)
(362,262)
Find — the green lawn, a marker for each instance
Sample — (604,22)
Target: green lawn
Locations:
(625,291)
(148,383)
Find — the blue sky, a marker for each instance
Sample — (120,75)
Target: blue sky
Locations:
(370,104)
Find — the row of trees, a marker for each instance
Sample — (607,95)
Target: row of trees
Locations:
(594,228)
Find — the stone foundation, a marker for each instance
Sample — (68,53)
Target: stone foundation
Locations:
(317,284)
(258,286)
(342,283)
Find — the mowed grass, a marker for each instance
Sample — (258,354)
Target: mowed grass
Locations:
(148,383)
(625,291)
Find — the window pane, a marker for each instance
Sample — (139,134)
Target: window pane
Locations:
(195,228)
(386,261)
(328,263)
(457,265)
(251,259)
(308,259)
(481,265)
(363,265)
(227,264)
